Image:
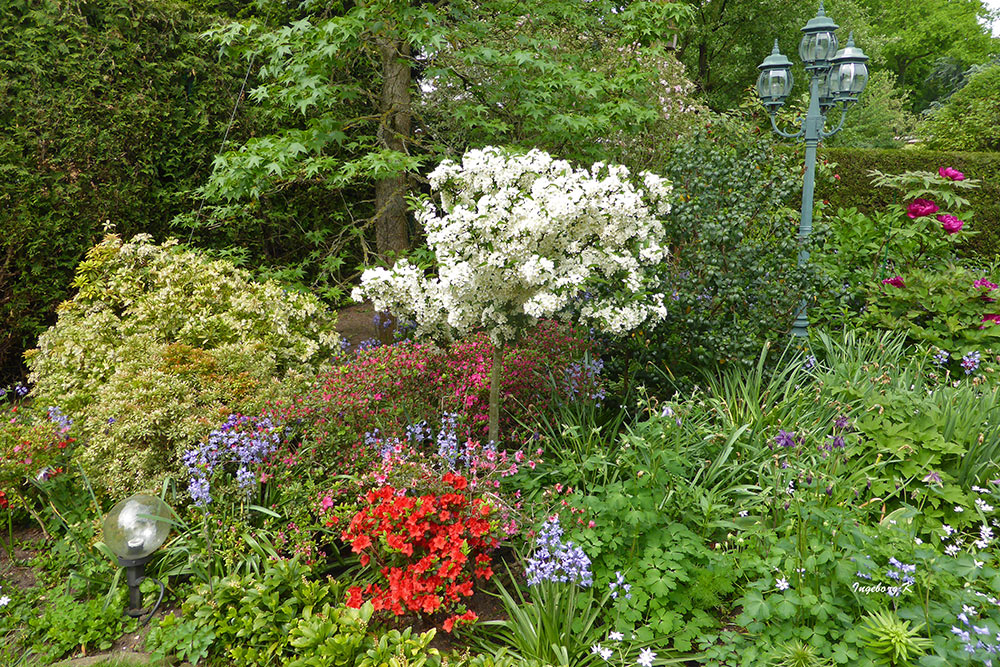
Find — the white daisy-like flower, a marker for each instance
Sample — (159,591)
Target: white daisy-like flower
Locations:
(959,509)
(646,658)
(615,636)
(781,584)
(4,600)
(951,549)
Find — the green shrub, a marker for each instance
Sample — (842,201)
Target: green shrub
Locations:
(159,345)
(281,617)
(732,276)
(853,189)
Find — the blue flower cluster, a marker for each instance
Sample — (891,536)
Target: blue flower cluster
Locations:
(901,572)
(57,417)
(975,633)
(368,344)
(581,380)
(557,562)
(447,438)
(970,362)
(941,357)
(619,583)
(785,439)
(245,441)
(19,390)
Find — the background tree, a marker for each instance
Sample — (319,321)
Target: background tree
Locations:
(917,33)
(381,87)
(970,119)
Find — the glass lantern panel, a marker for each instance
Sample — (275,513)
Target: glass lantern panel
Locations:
(826,80)
(781,83)
(763,89)
(807,48)
(845,78)
(860,78)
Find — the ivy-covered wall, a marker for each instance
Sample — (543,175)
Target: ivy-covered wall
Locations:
(854,186)
(110,111)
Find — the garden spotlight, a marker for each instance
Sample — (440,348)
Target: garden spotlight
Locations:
(133,530)
(834,76)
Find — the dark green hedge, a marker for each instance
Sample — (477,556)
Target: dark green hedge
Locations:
(110,110)
(854,187)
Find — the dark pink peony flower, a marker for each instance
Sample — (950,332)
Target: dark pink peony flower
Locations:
(951,174)
(895,281)
(921,207)
(951,224)
(991,318)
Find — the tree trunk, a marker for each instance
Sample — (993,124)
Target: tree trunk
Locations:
(495,393)
(394,129)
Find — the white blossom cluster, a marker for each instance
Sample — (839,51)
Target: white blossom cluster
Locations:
(527,236)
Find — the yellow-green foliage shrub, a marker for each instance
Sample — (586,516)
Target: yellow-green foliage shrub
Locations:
(160,344)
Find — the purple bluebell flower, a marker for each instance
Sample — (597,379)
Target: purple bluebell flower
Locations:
(555,561)
(784,439)
(970,362)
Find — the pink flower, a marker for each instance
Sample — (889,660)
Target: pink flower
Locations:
(983,282)
(895,281)
(921,207)
(991,318)
(951,174)
(951,224)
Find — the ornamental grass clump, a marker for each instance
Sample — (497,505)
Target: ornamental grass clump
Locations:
(526,237)
(159,344)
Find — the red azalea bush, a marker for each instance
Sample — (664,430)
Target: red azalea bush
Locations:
(428,548)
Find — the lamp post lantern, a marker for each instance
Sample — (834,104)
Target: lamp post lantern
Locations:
(835,76)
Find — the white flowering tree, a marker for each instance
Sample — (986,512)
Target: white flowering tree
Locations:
(525,236)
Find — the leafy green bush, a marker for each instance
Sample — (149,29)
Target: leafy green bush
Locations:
(67,624)
(159,344)
(897,269)
(281,617)
(732,277)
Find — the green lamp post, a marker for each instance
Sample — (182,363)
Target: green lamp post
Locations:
(834,77)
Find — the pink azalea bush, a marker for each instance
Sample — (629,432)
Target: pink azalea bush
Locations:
(390,387)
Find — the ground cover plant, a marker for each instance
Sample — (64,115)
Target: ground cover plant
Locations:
(477,488)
